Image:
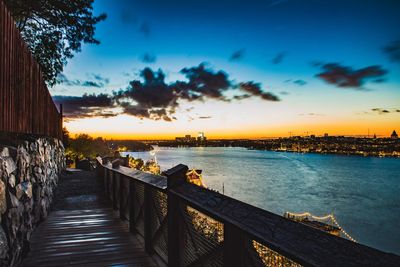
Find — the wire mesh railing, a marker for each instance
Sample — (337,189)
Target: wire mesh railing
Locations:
(186,225)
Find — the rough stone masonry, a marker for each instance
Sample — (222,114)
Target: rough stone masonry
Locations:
(29,172)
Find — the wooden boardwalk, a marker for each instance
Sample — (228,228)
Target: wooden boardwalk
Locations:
(83,230)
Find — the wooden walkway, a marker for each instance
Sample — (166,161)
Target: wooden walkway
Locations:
(83,230)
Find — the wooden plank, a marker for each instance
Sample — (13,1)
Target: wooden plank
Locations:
(26,104)
(86,237)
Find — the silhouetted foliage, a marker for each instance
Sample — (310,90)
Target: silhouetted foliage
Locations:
(85,146)
(65,137)
(54,30)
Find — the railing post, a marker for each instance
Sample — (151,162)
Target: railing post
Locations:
(234,248)
(121,197)
(175,177)
(131,201)
(147,219)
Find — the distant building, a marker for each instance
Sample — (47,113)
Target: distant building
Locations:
(201,137)
(187,139)
(394,135)
(325,134)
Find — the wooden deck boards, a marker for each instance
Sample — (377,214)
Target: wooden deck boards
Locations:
(93,236)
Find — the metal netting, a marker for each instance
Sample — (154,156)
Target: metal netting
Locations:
(261,255)
(110,184)
(159,222)
(116,188)
(138,198)
(124,205)
(203,239)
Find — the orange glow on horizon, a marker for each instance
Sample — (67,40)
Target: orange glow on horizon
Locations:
(381,129)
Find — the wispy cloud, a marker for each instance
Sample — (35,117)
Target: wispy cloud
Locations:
(393,51)
(237,55)
(298,82)
(96,81)
(278,58)
(148,58)
(311,114)
(382,111)
(144,28)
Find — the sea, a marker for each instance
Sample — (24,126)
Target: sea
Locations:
(363,193)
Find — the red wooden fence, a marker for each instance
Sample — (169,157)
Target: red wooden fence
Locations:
(26,105)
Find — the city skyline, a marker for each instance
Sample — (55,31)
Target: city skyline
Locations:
(233,70)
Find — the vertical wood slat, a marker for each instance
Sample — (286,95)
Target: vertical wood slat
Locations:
(26,105)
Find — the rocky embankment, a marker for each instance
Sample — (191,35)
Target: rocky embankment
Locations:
(29,172)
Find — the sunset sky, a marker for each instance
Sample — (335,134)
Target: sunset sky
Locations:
(236,69)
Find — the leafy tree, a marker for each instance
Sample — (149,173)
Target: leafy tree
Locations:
(85,146)
(65,137)
(54,30)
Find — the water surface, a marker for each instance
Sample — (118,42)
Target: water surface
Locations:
(362,192)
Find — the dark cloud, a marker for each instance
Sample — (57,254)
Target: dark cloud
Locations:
(203,83)
(381,111)
(99,83)
(393,51)
(153,98)
(148,58)
(101,79)
(381,80)
(86,106)
(347,77)
(278,58)
(237,55)
(300,82)
(240,97)
(255,90)
(145,29)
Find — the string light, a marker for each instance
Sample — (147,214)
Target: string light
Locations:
(329,216)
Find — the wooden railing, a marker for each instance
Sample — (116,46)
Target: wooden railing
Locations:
(186,225)
(25,102)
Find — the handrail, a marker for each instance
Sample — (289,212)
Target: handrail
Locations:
(242,223)
(299,242)
(157,181)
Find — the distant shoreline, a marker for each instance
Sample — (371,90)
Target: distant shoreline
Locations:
(366,147)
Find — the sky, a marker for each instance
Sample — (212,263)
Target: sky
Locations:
(236,69)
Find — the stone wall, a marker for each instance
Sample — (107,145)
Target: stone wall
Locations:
(29,171)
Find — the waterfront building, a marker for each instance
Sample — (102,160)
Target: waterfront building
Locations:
(201,137)
(394,135)
(186,139)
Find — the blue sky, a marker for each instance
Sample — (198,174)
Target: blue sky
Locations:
(296,34)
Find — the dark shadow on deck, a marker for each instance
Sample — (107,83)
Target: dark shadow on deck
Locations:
(83,230)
